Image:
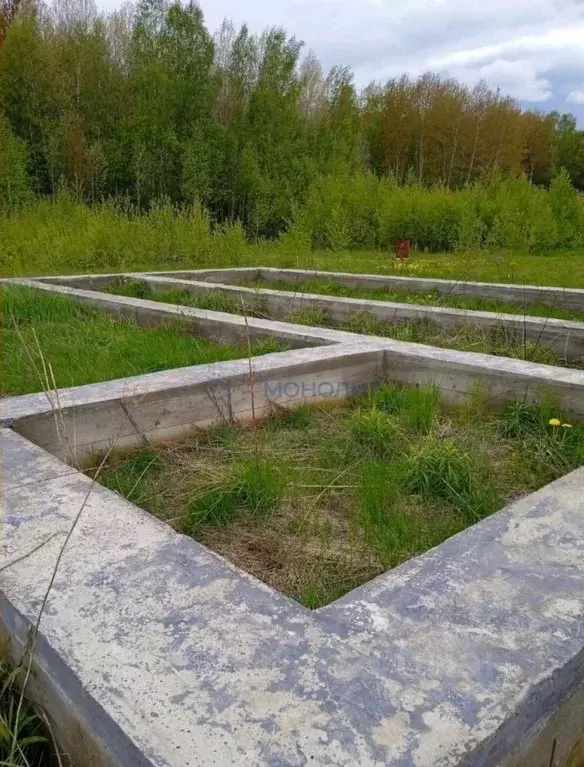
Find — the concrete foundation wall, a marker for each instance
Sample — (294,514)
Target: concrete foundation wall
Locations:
(158,652)
(557,741)
(155,652)
(86,734)
(564,337)
(172,405)
(567,298)
(227,328)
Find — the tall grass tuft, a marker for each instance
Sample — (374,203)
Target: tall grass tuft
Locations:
(260,485)
(213,506)
(416,407)
(439,470)
(374,431)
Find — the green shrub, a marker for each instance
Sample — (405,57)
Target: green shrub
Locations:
(568,211)
(15,191)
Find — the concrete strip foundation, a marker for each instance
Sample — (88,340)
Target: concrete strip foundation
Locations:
(154,650)
(566,298)
(521,295)
(565,337)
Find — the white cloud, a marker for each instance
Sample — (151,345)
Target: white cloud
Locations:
(575,97)
(515,77)
(515,45)
(531,49)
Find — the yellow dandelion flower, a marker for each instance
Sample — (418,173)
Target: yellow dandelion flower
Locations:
(555,422)
(567,425)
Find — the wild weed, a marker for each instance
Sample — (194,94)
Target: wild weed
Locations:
(260,485)
(213,506)
(378,493)
(289,417)
(313,317)
(374,431)
(130,477)
(440,470)
(24,740)
(132,288)
(416,406)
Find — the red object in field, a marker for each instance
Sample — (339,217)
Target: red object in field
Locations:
(402,248)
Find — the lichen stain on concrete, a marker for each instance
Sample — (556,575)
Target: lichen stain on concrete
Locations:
(446,737)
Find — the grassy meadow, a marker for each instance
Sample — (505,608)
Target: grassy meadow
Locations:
(50,341)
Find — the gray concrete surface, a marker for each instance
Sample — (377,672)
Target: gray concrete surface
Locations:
(566,298)
(155,651)
(564,337)
(162,653)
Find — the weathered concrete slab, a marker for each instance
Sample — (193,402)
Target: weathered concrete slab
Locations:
(155,651)
(162,653)
(567,298)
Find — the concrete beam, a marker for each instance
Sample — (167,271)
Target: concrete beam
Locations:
(564,337)
(566,298)
(174,404)
(456,373)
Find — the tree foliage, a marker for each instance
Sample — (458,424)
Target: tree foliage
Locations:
(143,104)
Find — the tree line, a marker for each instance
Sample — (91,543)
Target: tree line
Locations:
(144,104)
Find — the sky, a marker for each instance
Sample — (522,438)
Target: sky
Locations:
(531,49)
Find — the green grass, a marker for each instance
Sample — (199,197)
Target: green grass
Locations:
(214,300)
(501,342)
(319,500)
(51,340)
(24,737)
(560,268)
(430,298)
